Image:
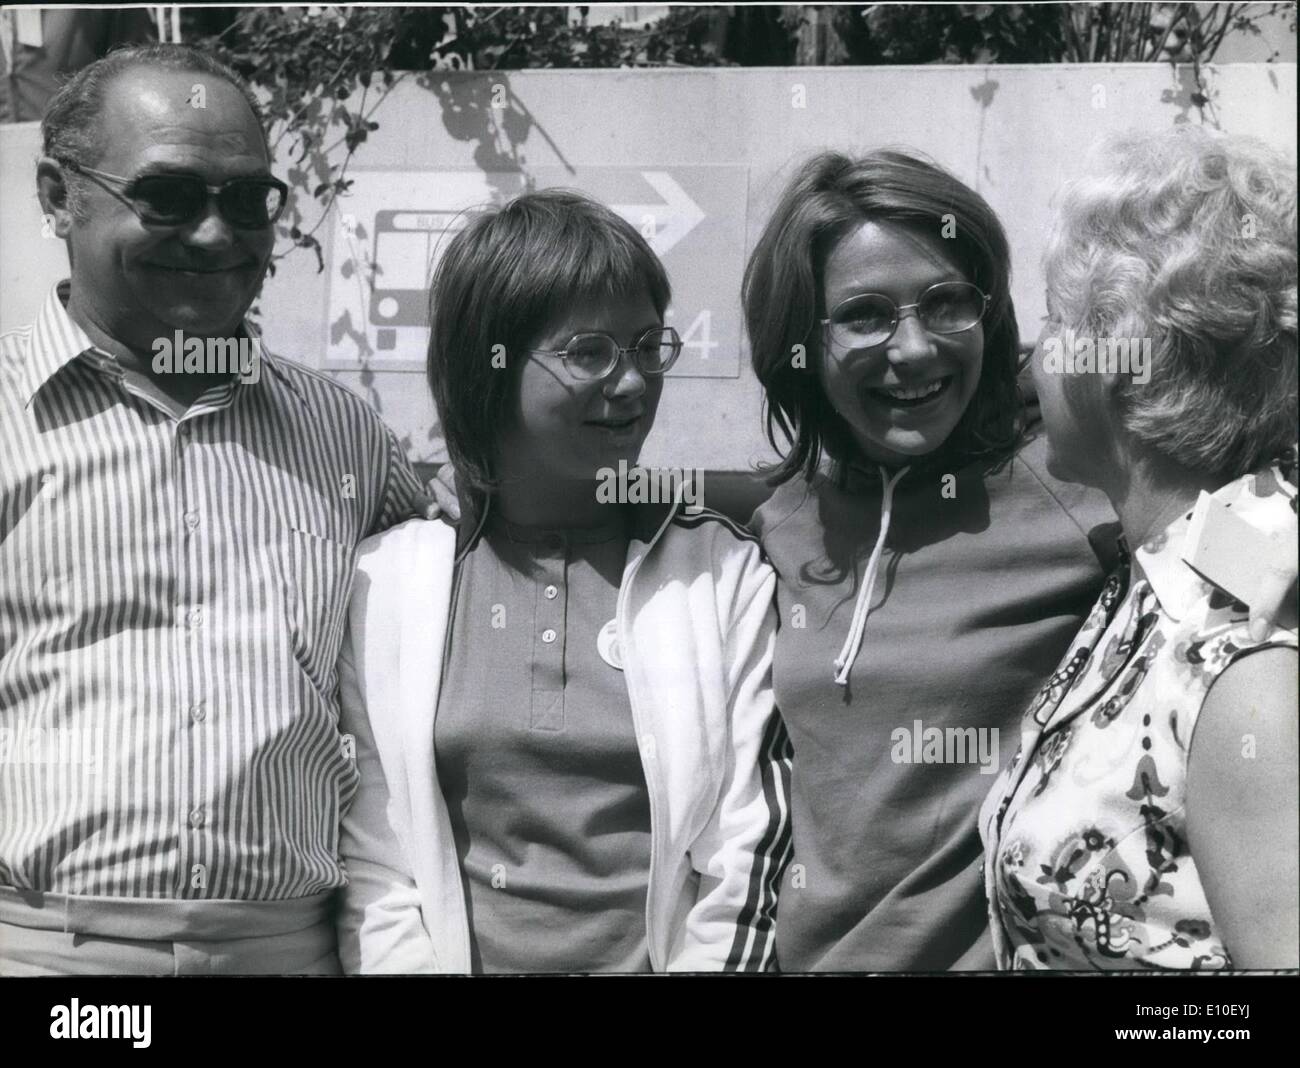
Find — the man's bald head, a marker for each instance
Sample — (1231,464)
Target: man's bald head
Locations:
(73,124)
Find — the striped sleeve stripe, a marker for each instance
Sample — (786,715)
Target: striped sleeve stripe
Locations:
(754,946)
(691,521)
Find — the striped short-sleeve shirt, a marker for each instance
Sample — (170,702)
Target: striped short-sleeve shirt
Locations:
(173,591)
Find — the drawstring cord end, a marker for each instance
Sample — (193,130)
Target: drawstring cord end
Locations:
(853,643)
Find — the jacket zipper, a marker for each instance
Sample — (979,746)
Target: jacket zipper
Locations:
(625,645)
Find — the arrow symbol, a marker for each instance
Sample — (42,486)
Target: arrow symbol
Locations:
(673,219)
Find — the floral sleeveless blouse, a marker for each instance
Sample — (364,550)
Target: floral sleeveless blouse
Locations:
(1087,864)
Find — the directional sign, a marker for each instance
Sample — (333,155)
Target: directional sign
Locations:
(669,219)
(394,225)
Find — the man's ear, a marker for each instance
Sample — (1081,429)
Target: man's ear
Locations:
(52,189)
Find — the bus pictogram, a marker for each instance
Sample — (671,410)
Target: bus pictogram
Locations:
(406,243)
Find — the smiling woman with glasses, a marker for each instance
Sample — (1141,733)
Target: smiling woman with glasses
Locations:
(570,688)
(870,319)
(930,570)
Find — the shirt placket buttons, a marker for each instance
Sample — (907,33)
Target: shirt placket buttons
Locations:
(548,669)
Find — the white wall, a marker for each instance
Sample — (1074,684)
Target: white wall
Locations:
(29,262)
(704,153)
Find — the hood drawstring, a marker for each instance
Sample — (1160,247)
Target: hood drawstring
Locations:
(853,643)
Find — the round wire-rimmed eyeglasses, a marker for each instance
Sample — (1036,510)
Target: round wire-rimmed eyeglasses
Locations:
(594,355)
(869,319)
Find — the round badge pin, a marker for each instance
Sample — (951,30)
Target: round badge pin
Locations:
(607,645)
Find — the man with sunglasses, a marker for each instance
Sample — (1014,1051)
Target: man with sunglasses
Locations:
(175,557)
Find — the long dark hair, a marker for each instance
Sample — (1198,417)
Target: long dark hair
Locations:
(830,196)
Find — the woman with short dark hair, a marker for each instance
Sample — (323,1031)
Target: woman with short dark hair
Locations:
(562,717)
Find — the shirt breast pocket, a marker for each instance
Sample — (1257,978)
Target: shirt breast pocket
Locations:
(28,555)
(317,578)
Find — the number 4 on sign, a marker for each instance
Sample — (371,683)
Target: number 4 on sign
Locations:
(699,335)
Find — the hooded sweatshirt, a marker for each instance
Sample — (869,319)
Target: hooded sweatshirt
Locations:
(914,606)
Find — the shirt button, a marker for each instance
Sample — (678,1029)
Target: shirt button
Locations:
(548,635)
(195,617)
(196,818)
(197,712)
(192,520)
(551,593)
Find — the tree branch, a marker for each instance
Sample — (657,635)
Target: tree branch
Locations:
(1230,13)
(1177,17)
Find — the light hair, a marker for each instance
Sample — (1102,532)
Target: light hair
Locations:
(1188,237)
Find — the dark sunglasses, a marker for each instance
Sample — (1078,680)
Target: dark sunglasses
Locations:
(179,199)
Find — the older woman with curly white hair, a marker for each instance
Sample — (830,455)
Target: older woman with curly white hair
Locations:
(1149,818)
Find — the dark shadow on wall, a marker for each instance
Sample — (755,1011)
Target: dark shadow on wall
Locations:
(484,108)
(983,94)
(1193,88)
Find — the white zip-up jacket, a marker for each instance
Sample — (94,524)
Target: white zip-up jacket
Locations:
(696,628)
